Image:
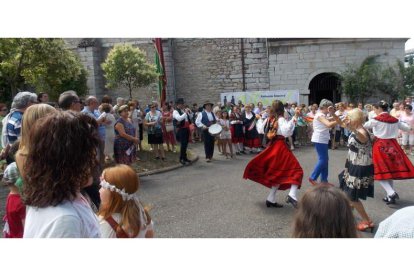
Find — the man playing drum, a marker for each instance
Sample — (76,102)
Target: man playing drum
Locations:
(182,121)
(204,120)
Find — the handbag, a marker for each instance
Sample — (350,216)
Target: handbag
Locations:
(169,127)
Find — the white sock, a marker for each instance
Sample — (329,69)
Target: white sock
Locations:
(272,195)
(293,191)
(386,184)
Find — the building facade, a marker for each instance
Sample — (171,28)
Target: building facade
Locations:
(200,69)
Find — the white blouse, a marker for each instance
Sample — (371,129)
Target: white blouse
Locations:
(285,127)
(320,131)
(386,130)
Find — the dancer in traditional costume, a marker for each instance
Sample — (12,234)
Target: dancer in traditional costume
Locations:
(358,177)
(276,167)
(204,120)
(251,136)
(390,161)
(236,129)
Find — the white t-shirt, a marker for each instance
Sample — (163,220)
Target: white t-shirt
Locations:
(108,232)
(70,219)
(320,131)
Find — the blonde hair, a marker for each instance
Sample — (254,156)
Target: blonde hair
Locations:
(30,116)
(356,115)
(124,177)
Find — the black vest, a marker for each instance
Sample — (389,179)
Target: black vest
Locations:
(177,123)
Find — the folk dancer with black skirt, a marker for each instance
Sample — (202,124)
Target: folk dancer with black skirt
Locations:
(204,120)
(276,167)
(183,129)
(251,136)
(236,129)
(357,180)
(390,161)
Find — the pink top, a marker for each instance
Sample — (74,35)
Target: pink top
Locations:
(311,115)
(409,120)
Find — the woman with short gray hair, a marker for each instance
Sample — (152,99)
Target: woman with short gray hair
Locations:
(320,138)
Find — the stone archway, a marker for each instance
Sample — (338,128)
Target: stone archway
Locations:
(325,86)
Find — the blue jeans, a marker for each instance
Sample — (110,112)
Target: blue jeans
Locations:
(321,167)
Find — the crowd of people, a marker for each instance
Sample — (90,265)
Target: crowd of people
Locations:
(82,199)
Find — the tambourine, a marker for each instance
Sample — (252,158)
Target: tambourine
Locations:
(215,129)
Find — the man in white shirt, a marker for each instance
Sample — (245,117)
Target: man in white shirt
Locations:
(182,123)
(204,120)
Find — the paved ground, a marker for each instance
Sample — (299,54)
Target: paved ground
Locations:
(211,200)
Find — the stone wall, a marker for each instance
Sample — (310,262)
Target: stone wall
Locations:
(204,68)
(201,69)
(294,63)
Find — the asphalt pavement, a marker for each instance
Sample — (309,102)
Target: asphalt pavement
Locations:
(212,200)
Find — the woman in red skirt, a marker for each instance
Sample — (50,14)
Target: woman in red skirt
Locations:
(236,129)
(390,161)
(276,167)
(251,136)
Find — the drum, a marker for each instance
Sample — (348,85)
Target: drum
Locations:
(215,129)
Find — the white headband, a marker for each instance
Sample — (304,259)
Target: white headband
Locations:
(125,195)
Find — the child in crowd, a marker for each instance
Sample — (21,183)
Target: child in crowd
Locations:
(324,212)
(225,135)
(121,214)
(15,209)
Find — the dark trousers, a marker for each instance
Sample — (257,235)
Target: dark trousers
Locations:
(182,136)
(208,144)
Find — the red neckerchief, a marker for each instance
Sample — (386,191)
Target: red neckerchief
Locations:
(386,118)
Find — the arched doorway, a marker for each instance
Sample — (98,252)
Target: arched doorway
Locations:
(325,86)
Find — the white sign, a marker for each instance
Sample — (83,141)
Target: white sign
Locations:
(266,97)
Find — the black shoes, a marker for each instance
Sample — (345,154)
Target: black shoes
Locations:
(243,152)
(292,201)
(185,162)
(391,199)
(275,205)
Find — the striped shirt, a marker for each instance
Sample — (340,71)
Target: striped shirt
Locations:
(14,125)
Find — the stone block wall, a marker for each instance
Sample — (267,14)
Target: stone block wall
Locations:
(204,68)
(200,69)
(294,63)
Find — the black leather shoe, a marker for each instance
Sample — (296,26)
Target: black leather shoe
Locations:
(292,201)
(187,160)
(182,162)
(275,205)
(392,199)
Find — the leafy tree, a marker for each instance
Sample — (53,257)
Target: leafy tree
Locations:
(371,78)
(407,81)
(128,67)
(42,63)
(77,84)
(359,82)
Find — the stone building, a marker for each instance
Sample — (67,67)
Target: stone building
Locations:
(201,69)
